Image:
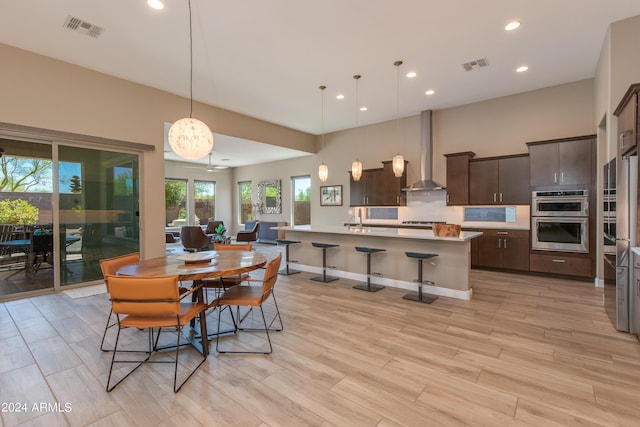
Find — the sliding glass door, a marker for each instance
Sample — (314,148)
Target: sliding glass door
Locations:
(98,194)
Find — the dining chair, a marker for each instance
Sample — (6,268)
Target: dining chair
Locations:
(194,239)
(151,302)
(249,235)
(110,266)
(224,283)
(253,296)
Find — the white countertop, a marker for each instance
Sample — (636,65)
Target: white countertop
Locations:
(402,233)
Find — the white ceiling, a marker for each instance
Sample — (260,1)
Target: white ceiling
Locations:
(266,59)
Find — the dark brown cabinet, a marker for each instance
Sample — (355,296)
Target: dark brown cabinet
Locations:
(458,178)
(628,120)
(565,264)
(503,248)
(561,162)
(378,187)
(499,180)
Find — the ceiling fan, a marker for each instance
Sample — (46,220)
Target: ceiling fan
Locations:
(209,168)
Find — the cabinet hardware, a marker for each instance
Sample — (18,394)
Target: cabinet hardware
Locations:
(500,197)
(499,243)
(398,199)
(502,232)
(448,201)
(562,178)
(494,197)
(560,260)
(505,243)
(555,177)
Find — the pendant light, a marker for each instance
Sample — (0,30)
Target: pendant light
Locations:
(323,169)
(398,161)
(190,138)
(356,166)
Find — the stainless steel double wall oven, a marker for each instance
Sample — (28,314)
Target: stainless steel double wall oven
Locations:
(560,220)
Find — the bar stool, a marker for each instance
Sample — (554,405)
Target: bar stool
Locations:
(286,271)
(419,296)
(368,286)
(324,278)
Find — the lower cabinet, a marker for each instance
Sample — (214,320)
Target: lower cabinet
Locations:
(570,265)
(501,248)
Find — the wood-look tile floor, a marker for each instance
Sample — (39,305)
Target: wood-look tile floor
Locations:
(524,351)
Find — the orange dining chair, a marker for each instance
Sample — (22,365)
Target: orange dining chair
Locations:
(150,302)
(253,296)
(110,266)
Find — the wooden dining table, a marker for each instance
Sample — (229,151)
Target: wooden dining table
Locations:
(195,267)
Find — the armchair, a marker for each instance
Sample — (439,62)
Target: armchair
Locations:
(249,235)
(194,239)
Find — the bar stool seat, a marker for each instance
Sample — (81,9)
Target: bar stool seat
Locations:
(283,242)
(368,286)
(419,296)
(324,278)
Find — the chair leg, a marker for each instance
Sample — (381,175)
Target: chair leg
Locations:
(266,331)
(176,388)
(113,361)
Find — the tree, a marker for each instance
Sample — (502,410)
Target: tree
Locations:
(174,193)
(75,186)
(22,174)
(18,212)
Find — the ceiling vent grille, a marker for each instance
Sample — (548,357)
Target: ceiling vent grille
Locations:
(474,65)
(83,27)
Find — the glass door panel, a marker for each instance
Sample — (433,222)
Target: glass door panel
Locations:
(99,213)
(26,217)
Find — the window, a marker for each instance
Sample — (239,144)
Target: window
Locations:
(246,211)
(205,200)
(301,212)
(175,196)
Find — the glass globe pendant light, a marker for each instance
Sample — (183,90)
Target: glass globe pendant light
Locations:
(323,169)
(397,162)
(356,166)
(190,138)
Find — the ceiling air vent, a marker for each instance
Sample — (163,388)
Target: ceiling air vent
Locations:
(83,27)
(474,65)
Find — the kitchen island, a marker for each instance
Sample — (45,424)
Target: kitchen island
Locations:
(449,270)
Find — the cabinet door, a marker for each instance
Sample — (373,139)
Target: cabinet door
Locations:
(513,179)
(627,131)
(374,187)
(458,180)
(543,164)
(515,248)
(483,182)
(575,162)
(357,190)
(392,194)
(490,251)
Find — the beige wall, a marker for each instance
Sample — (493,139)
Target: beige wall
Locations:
(45,93)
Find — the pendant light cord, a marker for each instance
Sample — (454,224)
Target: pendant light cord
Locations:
(190,64)
(322,88)
(398,64)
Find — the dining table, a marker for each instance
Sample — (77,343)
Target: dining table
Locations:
(195,267)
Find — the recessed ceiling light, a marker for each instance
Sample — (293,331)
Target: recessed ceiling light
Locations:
(156,4)
(340,96)
(412,74)
(512,26)
(430,92)
(522,69)
(363,108)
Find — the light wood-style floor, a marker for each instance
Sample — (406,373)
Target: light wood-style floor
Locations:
(525,351)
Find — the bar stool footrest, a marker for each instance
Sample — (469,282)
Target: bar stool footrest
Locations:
(324,279)
(368,287)
(415,296)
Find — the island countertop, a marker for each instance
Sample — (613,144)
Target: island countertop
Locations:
(402,233)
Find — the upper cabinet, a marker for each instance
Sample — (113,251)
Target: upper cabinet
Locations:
(378,187)
(562,162)
(628,119)
(458,178)
(499,180)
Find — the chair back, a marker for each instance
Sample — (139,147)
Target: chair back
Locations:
(213,225)
(194,238)
(249,235)
(144,296)
(270,276)
(234,247)
(112,265)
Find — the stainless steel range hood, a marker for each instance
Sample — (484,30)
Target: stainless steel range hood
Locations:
(426,156)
